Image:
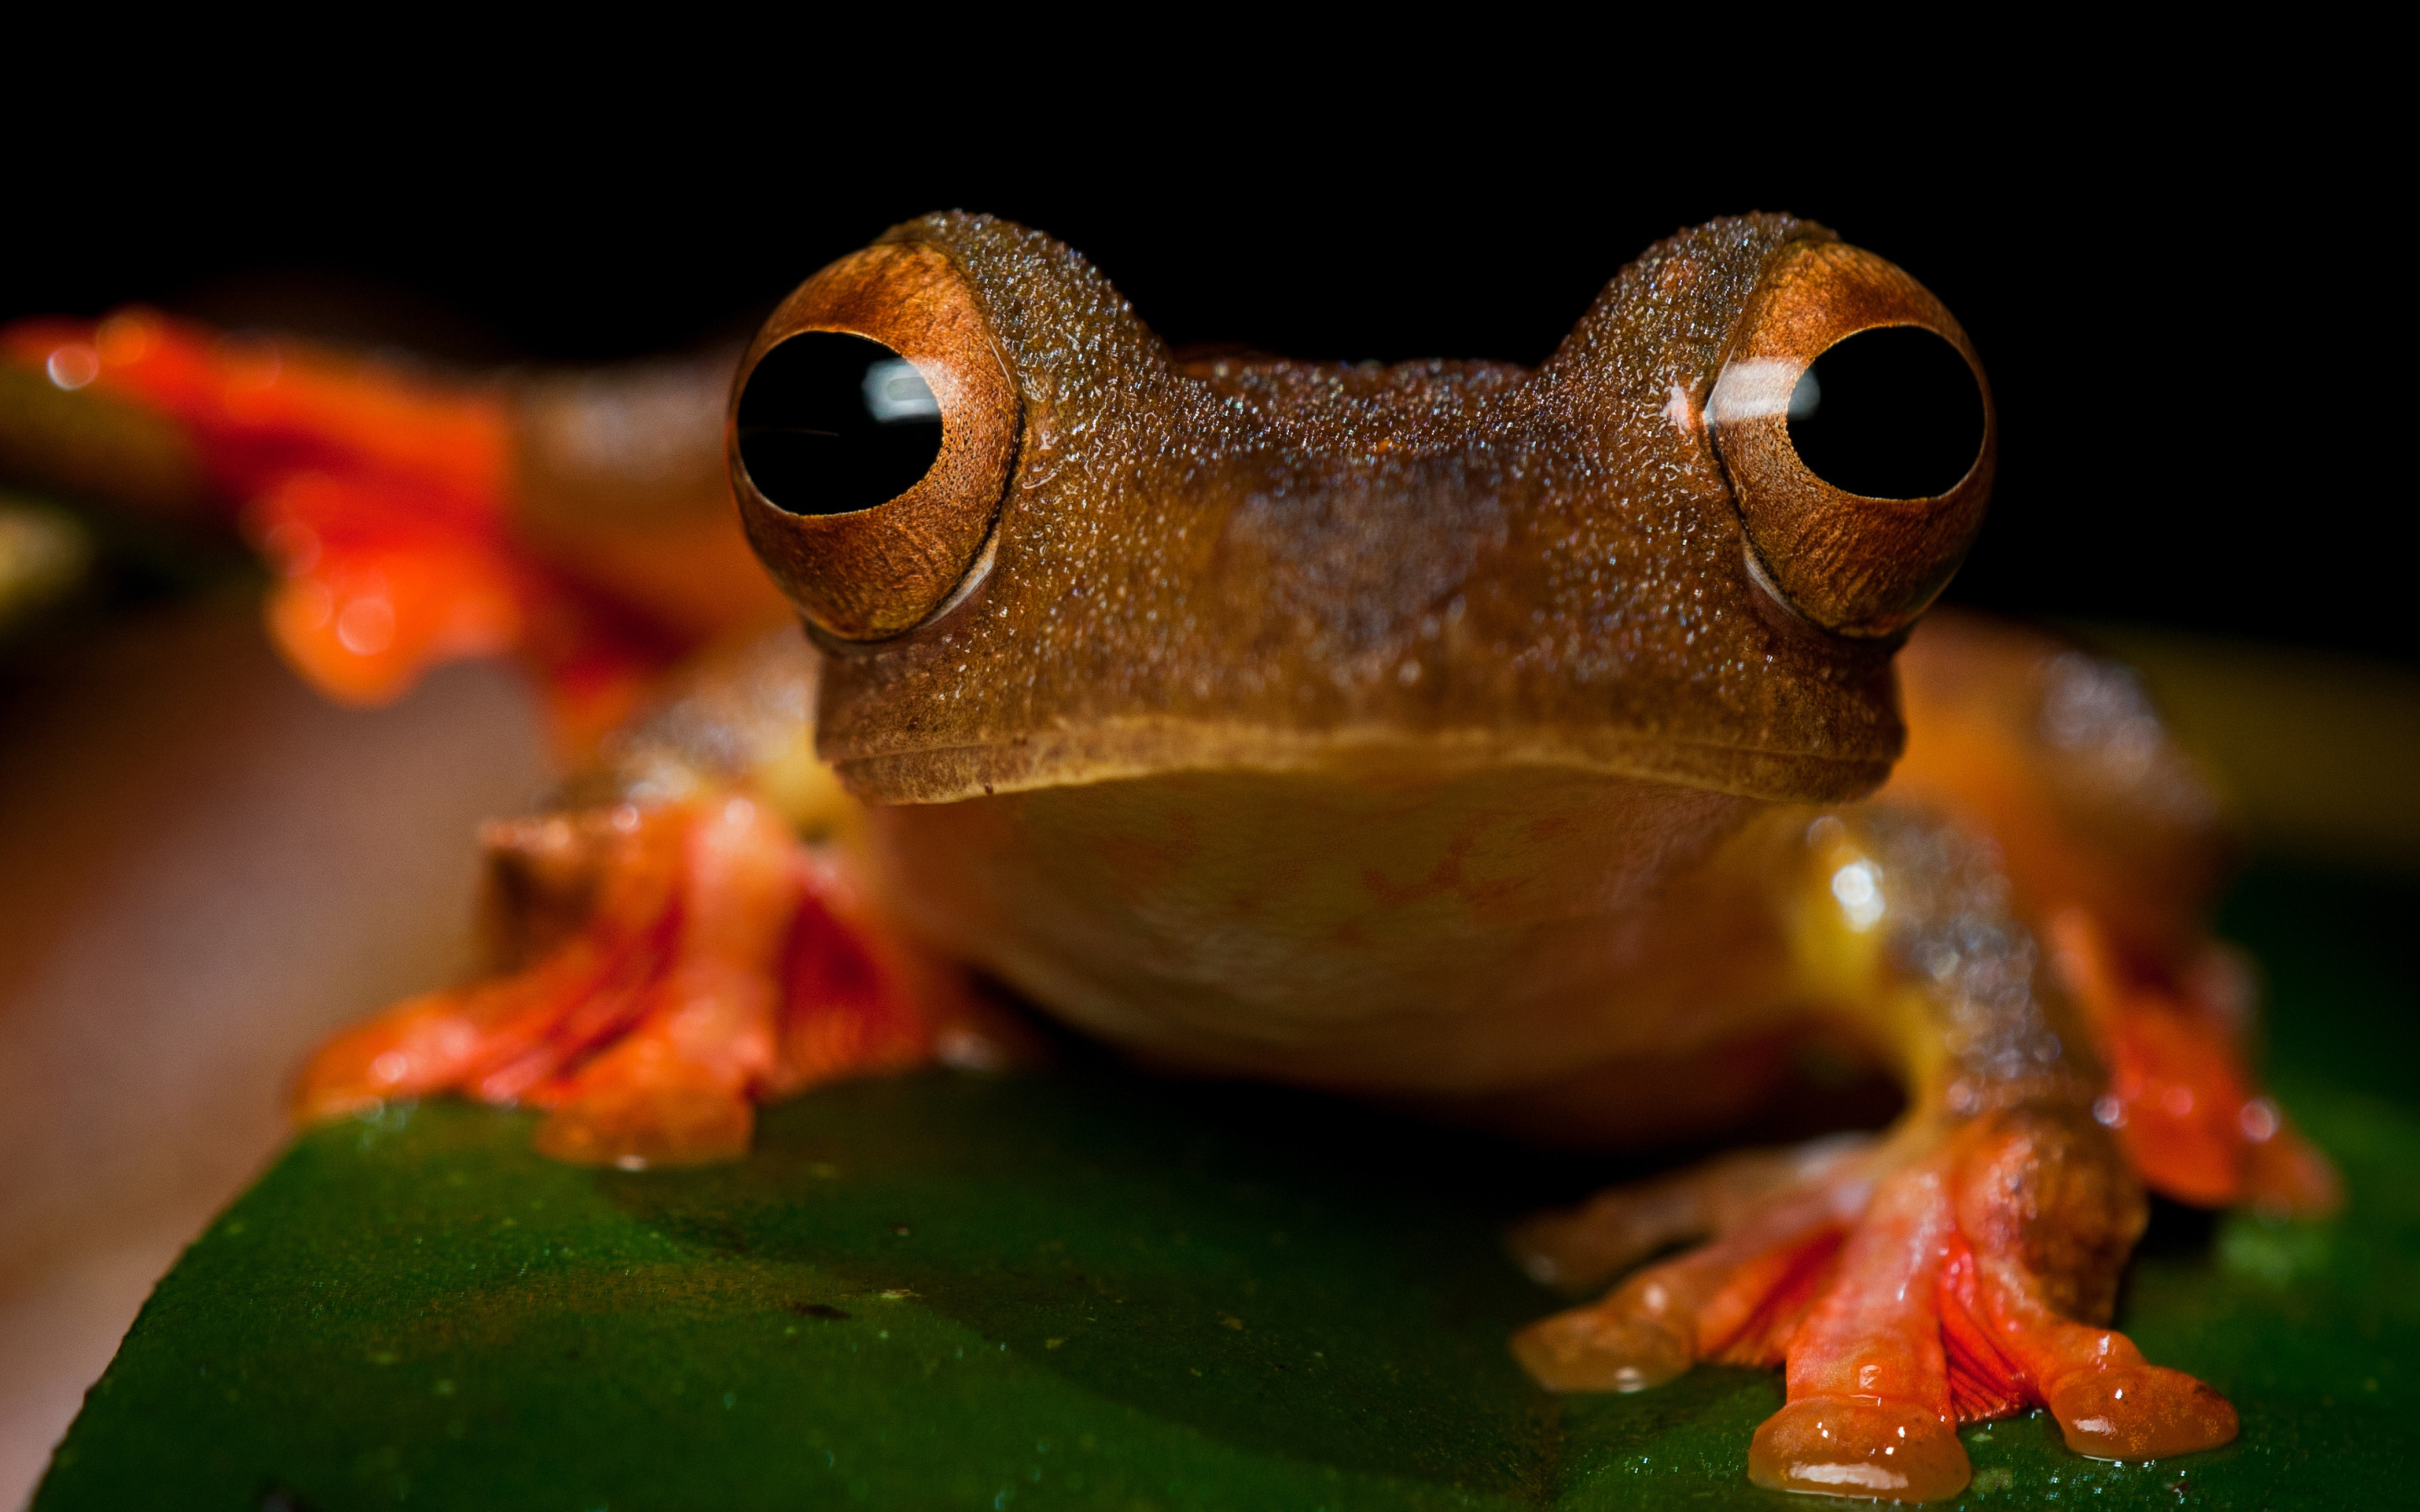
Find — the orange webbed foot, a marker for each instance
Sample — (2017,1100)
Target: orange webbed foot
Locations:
(1957,1299)
(501,1038)
(689,961)
(2028,1186)
(1911,1286)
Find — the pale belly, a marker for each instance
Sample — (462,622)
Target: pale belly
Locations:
(1433,936)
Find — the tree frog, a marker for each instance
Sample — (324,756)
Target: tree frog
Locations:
(1560,749)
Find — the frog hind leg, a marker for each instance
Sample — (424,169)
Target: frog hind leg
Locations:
(2179,1095)
(667,968)
(2112,841)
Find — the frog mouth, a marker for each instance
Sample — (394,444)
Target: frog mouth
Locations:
(1146,746)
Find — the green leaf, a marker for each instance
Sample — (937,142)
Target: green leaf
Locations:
(1091,1290)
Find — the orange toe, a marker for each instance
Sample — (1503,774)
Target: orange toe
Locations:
(1602,1348)
(2290,1176)
(1737,1298)
(1873,1450)
(2139,1412)
(635,1128)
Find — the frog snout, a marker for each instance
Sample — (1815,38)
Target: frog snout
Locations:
(1855,428)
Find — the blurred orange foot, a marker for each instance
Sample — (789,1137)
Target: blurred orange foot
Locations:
(711,962)
(2180,1096)
(386,503)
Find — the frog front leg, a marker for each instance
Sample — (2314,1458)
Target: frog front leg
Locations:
(678,938)
(1958,1269)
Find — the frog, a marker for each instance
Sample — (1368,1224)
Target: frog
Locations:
(1562,750)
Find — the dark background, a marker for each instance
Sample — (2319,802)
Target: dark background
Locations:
(2178,297)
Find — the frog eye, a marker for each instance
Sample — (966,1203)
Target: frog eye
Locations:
(1854,423)
(872,431)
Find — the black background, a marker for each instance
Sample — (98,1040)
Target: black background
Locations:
(2179,296)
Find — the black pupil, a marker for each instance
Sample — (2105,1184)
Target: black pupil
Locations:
(1890,413)
(832,422)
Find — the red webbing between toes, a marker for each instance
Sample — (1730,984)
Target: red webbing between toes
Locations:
(1778,1287)
(1984,1383)
(499,1038)
(2110,1402)
(847,1011)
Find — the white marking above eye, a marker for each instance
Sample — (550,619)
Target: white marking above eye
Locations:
(1757,386)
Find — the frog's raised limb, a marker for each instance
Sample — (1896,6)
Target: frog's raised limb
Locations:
(580,518)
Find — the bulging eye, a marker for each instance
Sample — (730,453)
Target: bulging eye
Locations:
(830,422)
(1854,423)
(872,434)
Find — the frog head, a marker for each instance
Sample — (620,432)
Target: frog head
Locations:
(1041,549)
